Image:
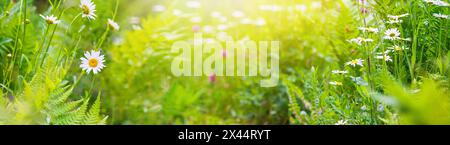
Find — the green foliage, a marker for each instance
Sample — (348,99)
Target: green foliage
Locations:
(45,100)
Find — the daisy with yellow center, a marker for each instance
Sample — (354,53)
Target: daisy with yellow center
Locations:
(392,34)
(384,57)
(88,9)
(92,61)
(113,25)
(50,19)
(355,62)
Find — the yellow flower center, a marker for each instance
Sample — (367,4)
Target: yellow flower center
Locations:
(392,34)
(93,62)
(354,61)
(85,10)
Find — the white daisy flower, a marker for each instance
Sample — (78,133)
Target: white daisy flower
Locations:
(369,29)
(396,17)
(88,9)
(335,83)
(113,25)
(392,34)
(360,40)
(394,21)
(439,15)
(92,61)
(50,19)
(355,62)
(398,48)
(339,72)
(384,57)
(341,122)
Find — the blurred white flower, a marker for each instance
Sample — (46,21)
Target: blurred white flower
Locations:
(439,15)
(216,14)
(316,5)
(341,122)
(301,8)
(384,57)
(50,19)
(193,4)
(436,2)
(355,62)
(335,83)
(113,25)
(177,12)
(222,27)
(159,8)
(196,19)
(223,19)
(260,22)
(360,40)
(246,21)
(208,29)
(397,48)
(359,81)
(396,17)
(339,72)
(369,29)
(88,9)
(238,14)
(92,61)
(392,34)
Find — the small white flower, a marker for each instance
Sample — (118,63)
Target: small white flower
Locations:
(92,61)
(396,17)
(51,19)
(384,57)
(113,25)
(339,72)
(341,122)
(392,34)
(439,15)
(394,21)
(370,29)
(360,40)
(335,83)
(355,62)
(398,48)
(88,9)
